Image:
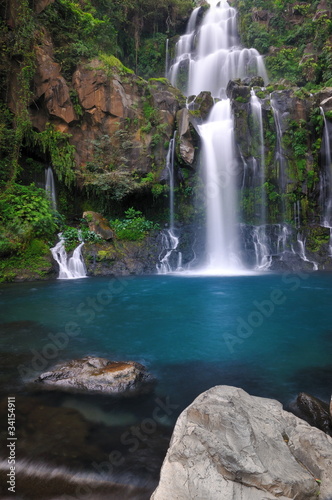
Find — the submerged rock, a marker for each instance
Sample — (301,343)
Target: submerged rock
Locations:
(228,444)
(93,374)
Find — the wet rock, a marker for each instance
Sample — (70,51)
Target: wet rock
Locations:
(93,374)
(122,257)
(256,81)
(186,143)
(314,411)
(98,224)
(232,445)
(201,105)
(237,90)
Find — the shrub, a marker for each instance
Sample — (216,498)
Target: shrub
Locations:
(134,227)
(27,210)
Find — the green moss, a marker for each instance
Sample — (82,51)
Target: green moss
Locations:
(111,62)
(317,237)
(33,262)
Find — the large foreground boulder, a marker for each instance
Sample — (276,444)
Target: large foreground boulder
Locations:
(93,374)
(230,445)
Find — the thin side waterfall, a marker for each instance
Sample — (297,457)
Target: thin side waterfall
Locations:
(263,257)
(326,181)
(50,187)
(167,58)
(209,55)
(170,259)
(262,248)
(281,161)
(256,110)
(302,253)
(72,268)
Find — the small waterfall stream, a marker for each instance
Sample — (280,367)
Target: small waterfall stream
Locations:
(170,259)
(326,181)
(69,268)
(50,187)
(280,159)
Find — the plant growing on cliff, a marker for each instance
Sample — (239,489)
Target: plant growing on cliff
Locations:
(134,227)
(56,145)
(26,212)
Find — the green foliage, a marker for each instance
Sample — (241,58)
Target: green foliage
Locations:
(134,227)
(111,185)
(110,62)
(26,211)
(31,260)
(151,56)
(285,63)
(56,145)
(159,189)
(73,235)
(295,36)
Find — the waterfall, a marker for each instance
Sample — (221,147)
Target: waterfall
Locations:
(183,51)
(256,111)
(170,171)
(170,259)
(262,249)
(280,159)
(50,187)
(217,136)
(326,176)
(208,56)
(326,181)
(218,57)
(72,268)
(302,253)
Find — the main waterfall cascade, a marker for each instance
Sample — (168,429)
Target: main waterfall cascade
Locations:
(207,57)
(211,56)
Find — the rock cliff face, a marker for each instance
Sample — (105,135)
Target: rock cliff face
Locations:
(117,121)
(230,445)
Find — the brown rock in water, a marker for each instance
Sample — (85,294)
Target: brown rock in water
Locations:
(92,374)
(98,224)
